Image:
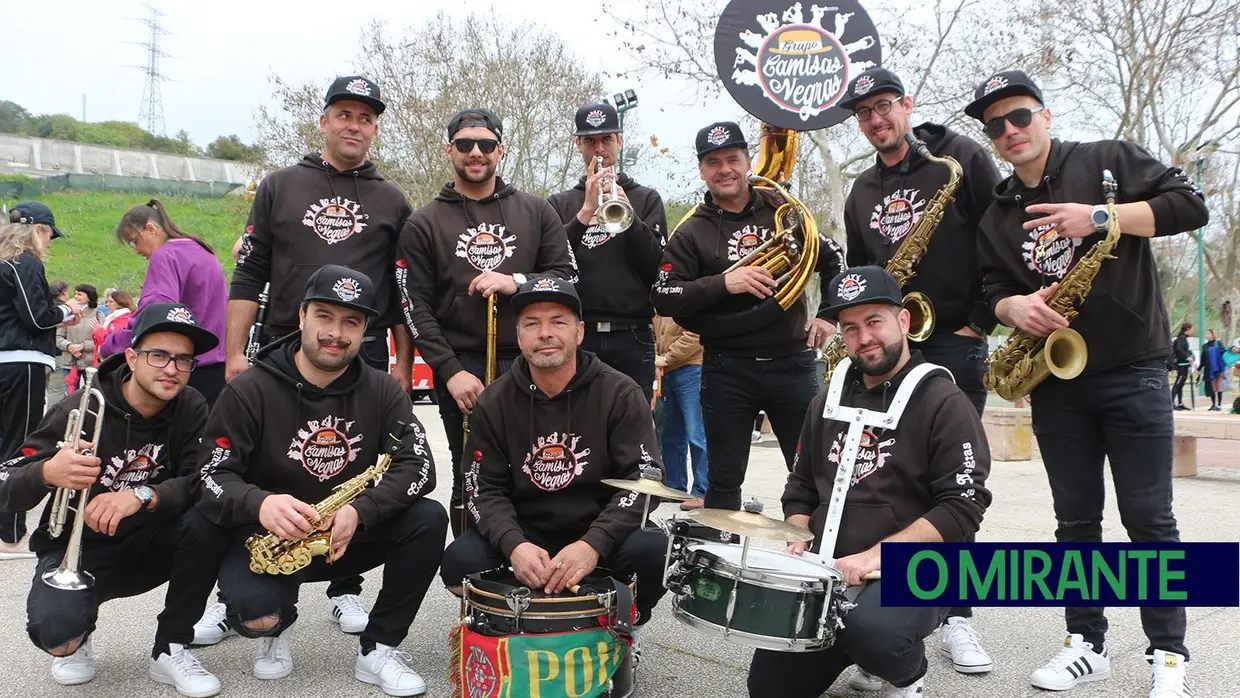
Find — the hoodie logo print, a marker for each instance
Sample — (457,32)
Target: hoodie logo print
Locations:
(133,468)
(746,240)
(335,219)
(1047,253)
(595,237)
(896,215)
(871,456)
(323,448)
(555,461)
(486,247)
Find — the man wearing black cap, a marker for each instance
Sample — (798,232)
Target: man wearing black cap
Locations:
(480,236)
(29,316)
(1046,217)
(332,207)
(541,438)
(617,268)
(922,480)
(744,369)
(140,529)
(310,416)
(885,204)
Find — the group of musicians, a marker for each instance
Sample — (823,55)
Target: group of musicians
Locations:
(347,259)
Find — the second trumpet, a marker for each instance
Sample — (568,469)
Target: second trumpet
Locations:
(615,214)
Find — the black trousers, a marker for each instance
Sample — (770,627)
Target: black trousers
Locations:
(1121,416)
(642,555)
(454,429)
(208,380)
(23,386)
(409,546)
(1181,377)
(887,642)
(629,350)
(733,390)
(184,551)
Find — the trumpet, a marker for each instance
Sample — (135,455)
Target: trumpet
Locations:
(615,215)
(69,576)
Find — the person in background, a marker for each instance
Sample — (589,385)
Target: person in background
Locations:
(1214,368)
(120,307)
(76,342)
(1182,355)
(183,269)
(678,356)
(103,307)
(56,387)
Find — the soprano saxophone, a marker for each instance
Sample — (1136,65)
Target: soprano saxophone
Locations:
(1024,361)
(270,554)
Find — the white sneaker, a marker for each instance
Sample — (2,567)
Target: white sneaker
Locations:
(863,680)
(182,670)
(916,690)
(274,659)
(213,626)
(75,669)
(348,611)
(639,631)
(1170,678)
(388,668)
(15,551)
(961,643)
(1076,663)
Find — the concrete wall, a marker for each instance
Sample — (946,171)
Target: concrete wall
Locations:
(42,156)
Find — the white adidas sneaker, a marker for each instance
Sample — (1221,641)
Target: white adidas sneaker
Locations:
(862,680)
(1075,664)
(182,670)
(274,659)
(915,690)
(388,668)
(347,610)
(77,668)
(1170,679)
(213,626)
(961,643)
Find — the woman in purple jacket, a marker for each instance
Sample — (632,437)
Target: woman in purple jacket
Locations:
(182,269)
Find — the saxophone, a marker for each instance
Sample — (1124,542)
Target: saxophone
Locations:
(1024,361)
(270,554)
(902,263)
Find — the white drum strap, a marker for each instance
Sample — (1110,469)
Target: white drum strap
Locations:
(858,419)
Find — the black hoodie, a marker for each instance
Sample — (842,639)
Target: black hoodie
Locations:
(29,313)
(691,283)
(886,202)
(162,452)
(933,465)
(617,271)
(1123,319)
(539,460)
(311,214)
(274,432)
(448,242)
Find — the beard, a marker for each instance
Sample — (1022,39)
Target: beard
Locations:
(325,361)
(883,363)
(548,361)
(464,174)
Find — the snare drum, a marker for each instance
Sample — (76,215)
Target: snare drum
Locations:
(775,601)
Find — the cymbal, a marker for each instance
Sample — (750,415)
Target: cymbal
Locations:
(650,487)
(751,524)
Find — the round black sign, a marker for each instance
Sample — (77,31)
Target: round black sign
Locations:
(788,63)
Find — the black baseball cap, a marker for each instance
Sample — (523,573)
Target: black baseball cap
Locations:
(32,212)
(871,82)
(717,136)
(356,88)
(1006,83)
(342,286)
(862,286)
(547,290)
(467,118)
(173,317)
(597,119)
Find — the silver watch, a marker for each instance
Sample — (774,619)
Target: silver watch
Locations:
(144,495)
(1100,217)
(519,279)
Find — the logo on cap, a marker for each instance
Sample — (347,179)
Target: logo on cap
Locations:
(864,84)
(545,285)
(595,118)
(718,135)
(347,289)
(358,87)
(181,315)
(851,286)
(995,83)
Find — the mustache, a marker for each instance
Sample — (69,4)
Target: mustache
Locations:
(552,344)
(335,342)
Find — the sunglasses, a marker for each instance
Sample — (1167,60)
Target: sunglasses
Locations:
(1020,118)
(466,145)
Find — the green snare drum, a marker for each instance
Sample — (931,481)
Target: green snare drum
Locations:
(774,601)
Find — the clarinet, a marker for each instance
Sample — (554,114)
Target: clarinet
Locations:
(256,330)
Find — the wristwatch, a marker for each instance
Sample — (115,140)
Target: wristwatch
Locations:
(144,495)
(1100,217)
(520,279)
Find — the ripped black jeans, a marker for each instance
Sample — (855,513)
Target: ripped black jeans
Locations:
(1121,416)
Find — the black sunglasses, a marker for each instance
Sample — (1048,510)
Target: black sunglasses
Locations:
(466,145)
(1020,118)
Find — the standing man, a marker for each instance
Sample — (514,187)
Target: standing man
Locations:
(679,359)
(480,236)
(771,368)
(886,202)
(1047,215)
(332,207)
(617,269)
(1182,354)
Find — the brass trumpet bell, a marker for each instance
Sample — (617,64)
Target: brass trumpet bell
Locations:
(921,310)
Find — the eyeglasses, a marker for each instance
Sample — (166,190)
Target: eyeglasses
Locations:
(1020,118)
(466,145)
(132,243)
(159,359)
(882,106)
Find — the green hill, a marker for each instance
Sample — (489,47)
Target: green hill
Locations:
(91,254)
